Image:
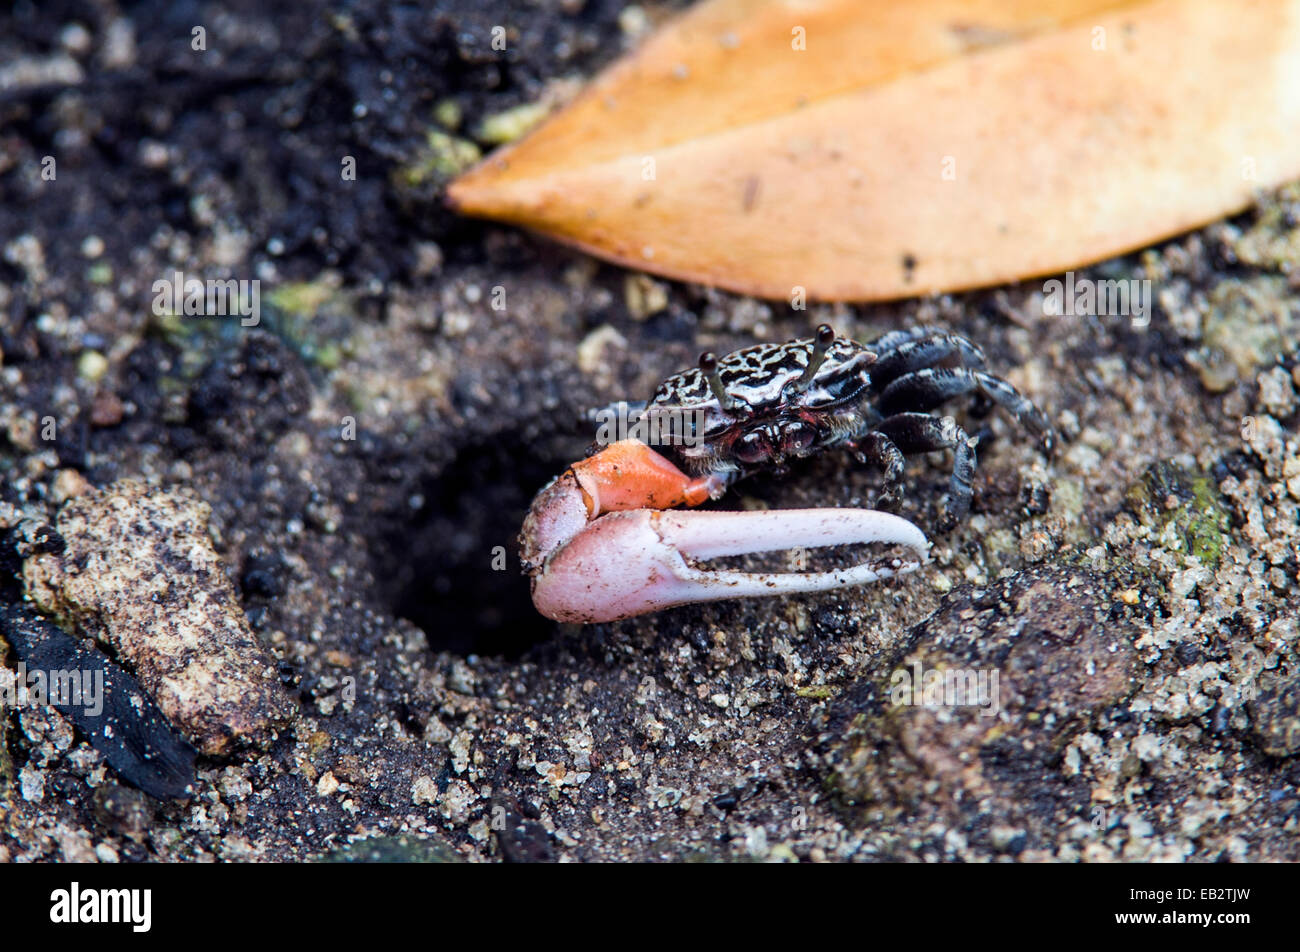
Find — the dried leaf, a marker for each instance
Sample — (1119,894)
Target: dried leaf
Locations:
(909,147)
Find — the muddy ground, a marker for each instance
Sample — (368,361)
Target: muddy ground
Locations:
(366,448)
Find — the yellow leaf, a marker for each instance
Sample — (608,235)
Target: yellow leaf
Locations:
(865,149)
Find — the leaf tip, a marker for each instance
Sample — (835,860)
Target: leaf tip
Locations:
(476,192)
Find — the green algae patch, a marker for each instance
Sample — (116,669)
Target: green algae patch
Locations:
(302,298)
(1169,497)
(442,158)
(313,317)
(505,127)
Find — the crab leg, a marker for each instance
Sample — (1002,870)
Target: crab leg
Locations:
(590,564)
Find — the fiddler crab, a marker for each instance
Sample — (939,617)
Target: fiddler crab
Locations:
(602,542)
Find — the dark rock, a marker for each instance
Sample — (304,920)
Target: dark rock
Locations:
(123,810)
(524,841)
(972,710)
(1275,714)
(122,722)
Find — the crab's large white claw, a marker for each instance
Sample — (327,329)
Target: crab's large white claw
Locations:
(629,563)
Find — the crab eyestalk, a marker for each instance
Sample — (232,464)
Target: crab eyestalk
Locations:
(709,367)
(600,546)
(821,344)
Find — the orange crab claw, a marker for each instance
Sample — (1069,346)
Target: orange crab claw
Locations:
(599,548)
(624,475)
(630,475)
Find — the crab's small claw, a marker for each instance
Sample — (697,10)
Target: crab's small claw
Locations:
(628,563)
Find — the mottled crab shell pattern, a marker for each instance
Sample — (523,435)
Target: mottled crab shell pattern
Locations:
(759,381)
(600,545)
